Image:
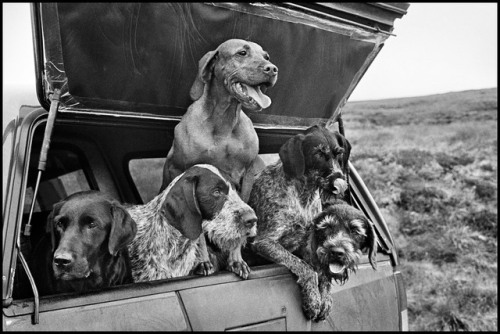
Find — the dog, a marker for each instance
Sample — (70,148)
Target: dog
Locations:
(168,238)
(215,130)
(333,244)
(86,245)
(288,195)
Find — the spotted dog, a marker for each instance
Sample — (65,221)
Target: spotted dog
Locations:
(288,195)
(168,239)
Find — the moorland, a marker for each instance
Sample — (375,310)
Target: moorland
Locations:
(431,164)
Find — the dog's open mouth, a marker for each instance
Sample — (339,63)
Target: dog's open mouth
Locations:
(252,96)
(336,269)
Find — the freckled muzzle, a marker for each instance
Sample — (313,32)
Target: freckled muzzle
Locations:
(233,224)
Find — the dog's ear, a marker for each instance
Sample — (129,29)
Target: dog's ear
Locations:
(181,207)
(49,227)
(123,228)
(371,243)
(347,151)
(205,69)
(292,157)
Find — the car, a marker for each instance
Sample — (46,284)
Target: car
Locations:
(113,81)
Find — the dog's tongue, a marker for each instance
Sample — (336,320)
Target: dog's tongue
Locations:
(335,268)
(255,93)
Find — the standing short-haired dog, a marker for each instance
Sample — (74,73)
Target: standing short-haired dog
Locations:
(215,129)
(289,194)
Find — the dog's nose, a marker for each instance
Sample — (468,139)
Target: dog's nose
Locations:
(271,69)
(63,259)
(249,219)
(339,186)
(337,252)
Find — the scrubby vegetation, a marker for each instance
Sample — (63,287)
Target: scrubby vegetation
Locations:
(431,165)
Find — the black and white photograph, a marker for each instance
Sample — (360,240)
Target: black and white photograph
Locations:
(315,166)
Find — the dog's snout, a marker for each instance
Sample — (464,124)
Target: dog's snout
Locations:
(271,69)
(337,252)
(249,219)
(63,259)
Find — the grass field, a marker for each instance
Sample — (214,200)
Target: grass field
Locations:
(431,165)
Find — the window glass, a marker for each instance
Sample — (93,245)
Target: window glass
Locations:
(64,176)
(53,190)
(147,175)
(8,136)
(269,158)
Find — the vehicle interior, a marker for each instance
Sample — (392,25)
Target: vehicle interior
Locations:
(120,156)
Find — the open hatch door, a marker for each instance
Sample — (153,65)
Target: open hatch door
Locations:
(143,57)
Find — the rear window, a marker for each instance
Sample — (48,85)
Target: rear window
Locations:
(147,174)
(50,191)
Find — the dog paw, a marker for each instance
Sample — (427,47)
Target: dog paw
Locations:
(239,268)
(311,308)
(205,269)
(311,298)
(324,311)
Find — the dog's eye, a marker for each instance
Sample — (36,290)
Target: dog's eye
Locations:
(323,152)
(242,53)
(217,192)
(58,224)
(266,57)
(358,229)
(322,155)
(325,156)
(90,222)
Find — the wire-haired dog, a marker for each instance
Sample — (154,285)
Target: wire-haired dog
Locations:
(333,246)
(288,195)
(168,239)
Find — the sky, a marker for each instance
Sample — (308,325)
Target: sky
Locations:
(438,48)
